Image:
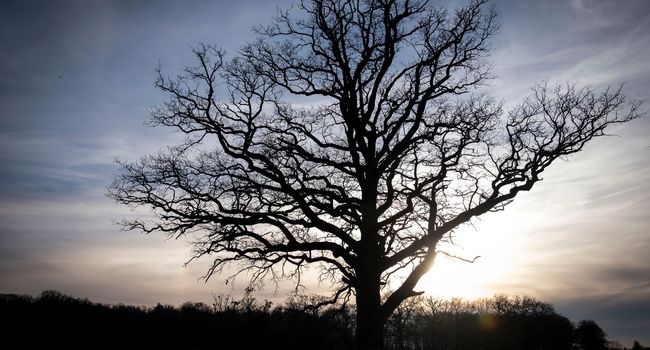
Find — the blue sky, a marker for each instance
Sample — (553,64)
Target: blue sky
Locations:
(76,80)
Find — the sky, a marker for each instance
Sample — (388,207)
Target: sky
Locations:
(76,83)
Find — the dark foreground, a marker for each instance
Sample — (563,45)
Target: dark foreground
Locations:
(54,320)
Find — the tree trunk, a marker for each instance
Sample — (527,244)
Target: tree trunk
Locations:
(370,325)
(370,321)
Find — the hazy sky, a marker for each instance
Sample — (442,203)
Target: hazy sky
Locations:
(76,81)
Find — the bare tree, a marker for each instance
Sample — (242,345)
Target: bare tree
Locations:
(400,149)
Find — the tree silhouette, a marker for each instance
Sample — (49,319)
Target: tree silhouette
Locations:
(589,336)
(392,148)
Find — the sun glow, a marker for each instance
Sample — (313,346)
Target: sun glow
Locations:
(496,244)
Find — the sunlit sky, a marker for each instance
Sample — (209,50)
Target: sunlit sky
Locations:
(76,81)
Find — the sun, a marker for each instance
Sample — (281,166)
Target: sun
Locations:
(453,278)
(450,278)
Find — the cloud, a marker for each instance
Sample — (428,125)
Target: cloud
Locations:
(592,42)
(625,319)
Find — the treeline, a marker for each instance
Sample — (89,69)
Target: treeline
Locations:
(55,320)
(502,322)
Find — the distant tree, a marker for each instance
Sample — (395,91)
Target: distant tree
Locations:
(398,151)
(589,336)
